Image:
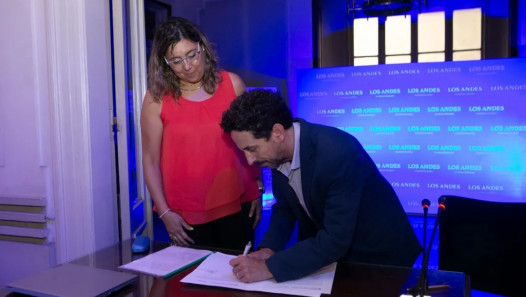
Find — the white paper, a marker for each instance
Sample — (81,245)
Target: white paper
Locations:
(167,261)
(215,271)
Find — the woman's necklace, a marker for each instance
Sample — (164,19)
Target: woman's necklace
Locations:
(191,90)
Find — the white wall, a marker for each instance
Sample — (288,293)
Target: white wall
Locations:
(24,129)
(24,123)
(55,137)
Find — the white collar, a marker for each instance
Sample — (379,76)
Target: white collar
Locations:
(295,163)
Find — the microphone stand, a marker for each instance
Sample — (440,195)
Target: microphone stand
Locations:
(425,206)
(421,288)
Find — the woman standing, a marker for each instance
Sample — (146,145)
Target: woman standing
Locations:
(197,178)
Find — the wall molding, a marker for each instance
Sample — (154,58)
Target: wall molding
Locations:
(23,219)
(23,232)
(23,201)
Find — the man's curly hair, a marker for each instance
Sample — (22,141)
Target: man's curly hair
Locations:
(256,111)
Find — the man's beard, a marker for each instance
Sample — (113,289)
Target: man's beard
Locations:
(272,163)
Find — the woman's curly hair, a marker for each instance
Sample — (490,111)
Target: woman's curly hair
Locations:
(161,78)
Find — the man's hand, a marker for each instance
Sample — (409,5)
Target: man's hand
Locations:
(248,269)
(262,254)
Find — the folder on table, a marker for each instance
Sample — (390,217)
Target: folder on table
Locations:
(168,261)
(72,280)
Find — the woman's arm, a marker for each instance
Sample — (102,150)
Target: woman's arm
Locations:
(152,134)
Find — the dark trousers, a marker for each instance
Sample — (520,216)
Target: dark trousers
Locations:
(231,232)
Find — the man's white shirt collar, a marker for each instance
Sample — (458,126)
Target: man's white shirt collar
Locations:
(295,163)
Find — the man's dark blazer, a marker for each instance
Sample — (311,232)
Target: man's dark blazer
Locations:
(356,215)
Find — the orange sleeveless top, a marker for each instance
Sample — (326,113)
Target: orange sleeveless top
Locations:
(205,176)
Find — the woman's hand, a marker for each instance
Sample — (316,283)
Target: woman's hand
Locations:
(176,225)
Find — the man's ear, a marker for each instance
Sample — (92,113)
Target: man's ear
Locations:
(278,133)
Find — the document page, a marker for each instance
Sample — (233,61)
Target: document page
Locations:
(215,271)
(167,261)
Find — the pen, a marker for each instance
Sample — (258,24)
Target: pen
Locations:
(247,248)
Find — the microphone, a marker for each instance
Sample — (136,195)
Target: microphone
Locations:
(421,288)
(425,206)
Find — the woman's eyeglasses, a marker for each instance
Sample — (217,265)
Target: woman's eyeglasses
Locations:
(191,57)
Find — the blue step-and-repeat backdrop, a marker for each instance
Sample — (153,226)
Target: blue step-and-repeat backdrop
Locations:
(431,128)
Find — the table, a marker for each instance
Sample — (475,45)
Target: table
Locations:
(351,279)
